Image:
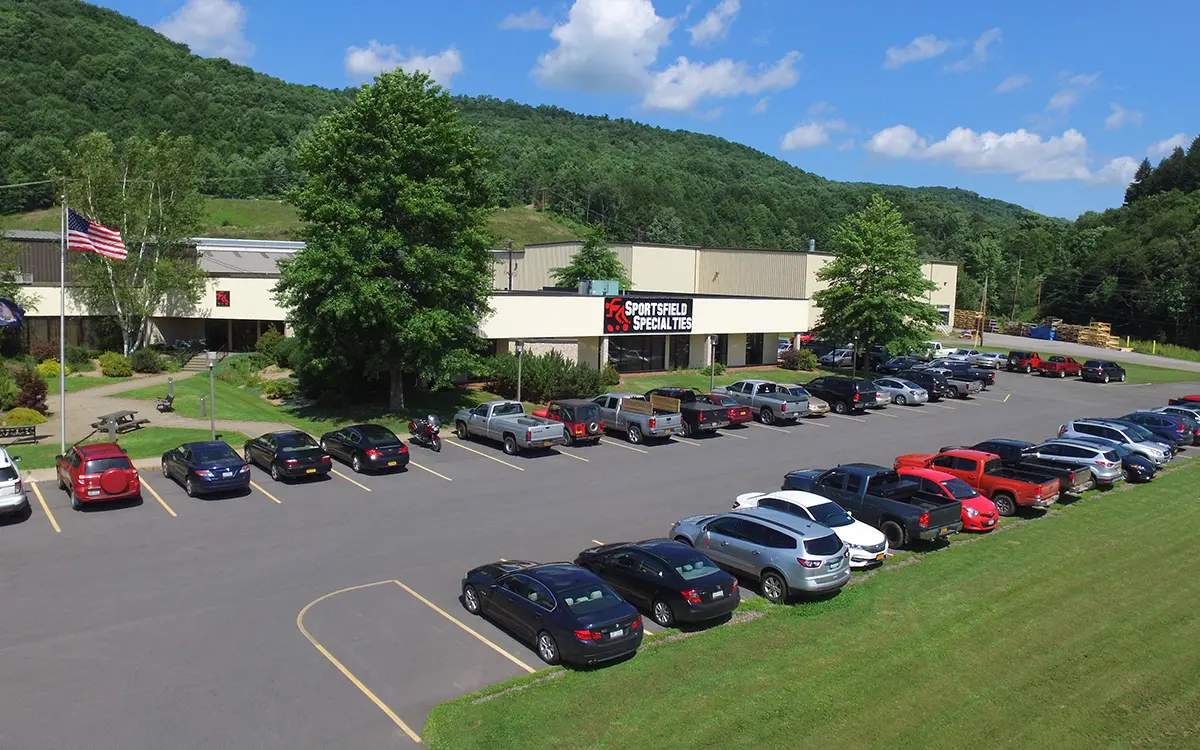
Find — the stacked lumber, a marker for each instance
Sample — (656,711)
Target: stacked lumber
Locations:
(1067,332)
(1099,334)
(966,319)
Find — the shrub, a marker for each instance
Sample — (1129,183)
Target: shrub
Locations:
(283,388)
(241,370)
(44,350)
(716,369)
(21,416)
(543,377)
(289,354)
(33,391)
(798,359)
(113,365)
(268,343)
(48,369)
(609,377)
(146,360)
(9,392)
(79,359)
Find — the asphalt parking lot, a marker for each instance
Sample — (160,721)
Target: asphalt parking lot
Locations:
(326,613)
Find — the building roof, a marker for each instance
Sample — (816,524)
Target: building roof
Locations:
(698,248)
(223,262)
(29,234)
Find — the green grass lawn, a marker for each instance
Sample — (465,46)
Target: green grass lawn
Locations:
(693,378)
(1072,631)
(83,382)
(147,442)
(243,218)
(524,226)
(232,402)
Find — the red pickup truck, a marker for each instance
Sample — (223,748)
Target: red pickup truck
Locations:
(1007,488)
(1059,366)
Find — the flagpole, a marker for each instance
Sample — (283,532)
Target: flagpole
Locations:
(62,332)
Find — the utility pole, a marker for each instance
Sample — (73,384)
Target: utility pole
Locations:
(510,265)
(982,311)
(1016,288)
(1039,301)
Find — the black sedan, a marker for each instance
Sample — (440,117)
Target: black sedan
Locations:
(672,581)
(366,447)
(206,468)
(287,455)
(898,364)
(568,613)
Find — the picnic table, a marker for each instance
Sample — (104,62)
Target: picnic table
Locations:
(119,422)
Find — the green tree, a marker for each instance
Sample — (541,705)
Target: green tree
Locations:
(876,289)
(667,228)
(147,188)
(397,271)
(594,261)
(1137,188)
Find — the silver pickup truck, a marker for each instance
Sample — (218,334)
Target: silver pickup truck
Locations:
(766,399)
(962,388)
(507,422)
(639,417)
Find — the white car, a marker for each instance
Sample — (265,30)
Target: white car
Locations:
(868,545)
(12,489)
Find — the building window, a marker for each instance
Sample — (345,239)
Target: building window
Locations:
(754,348)
(722,351)
(681,352)
(637,353)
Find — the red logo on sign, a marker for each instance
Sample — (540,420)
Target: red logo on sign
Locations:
(615,318)
(222,298)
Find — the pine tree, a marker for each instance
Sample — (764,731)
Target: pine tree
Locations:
(594,261)
(1137,188)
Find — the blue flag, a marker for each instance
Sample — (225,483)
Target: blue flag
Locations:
(11,314)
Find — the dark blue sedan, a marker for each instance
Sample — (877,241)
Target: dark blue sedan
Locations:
(1170,429)
(206,468)
(568,613)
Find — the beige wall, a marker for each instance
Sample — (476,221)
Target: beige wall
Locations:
(731,315)
(663,269)
(250,298)
(750,273)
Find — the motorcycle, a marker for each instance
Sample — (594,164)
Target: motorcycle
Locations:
(425,432)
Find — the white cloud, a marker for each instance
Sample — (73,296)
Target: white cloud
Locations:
(683,85)
(1121,117)
(375,58)
(1012,83)
(1074,87)
(1118,171)
(817,109)
(846,145)
(979,51)
(716,23)
(605,46)
(811,134)
(761,106)
(531,20)
(896,142)
(213,28)
(922,48)
(1167,145)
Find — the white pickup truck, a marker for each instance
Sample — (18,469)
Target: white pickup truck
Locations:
(507,422)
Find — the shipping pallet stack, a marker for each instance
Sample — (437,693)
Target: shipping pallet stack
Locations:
(1099,334)
(966,319)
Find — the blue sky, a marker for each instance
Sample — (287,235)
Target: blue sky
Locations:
(1049,104)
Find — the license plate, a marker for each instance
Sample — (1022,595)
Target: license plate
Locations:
(310,471)
(227,474)
(945,531)
(545,443)
(667,431)
(93,493)
(989,523)
(879,556)
(617,633)
(718,594)
(391,463)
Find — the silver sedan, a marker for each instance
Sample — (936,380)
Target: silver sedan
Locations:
(901,391)
(992,360)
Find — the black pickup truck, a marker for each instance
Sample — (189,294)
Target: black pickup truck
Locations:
(936,385)
(966,371)
(1072,479)
(698,416)
(878,496)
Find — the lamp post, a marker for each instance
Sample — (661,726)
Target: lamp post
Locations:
(854,359)
(712,361)
(520,351)
(212,397)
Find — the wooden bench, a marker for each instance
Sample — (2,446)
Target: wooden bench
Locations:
(20,434)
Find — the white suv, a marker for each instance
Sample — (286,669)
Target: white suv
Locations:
(12,489)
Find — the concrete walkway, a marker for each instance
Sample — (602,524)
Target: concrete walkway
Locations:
(1079,351)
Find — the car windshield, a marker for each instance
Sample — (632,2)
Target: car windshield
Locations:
(294,441)
(958,489)
(101,465)
(728,401)
(377,433)
(585,413)
(9,473)
(697,568)
(830,514)
(1139,432)
(214,453)
(507,410)
(589,599)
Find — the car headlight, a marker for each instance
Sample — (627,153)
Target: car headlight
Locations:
(854,546)
(971,512)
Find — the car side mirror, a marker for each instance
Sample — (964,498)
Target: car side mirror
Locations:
(16,459)
(59,457)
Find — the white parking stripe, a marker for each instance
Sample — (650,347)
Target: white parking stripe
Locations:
(606,441)
(843,416)
(884,414)
(940,406)
(730,434)
(767,427)
(814,423)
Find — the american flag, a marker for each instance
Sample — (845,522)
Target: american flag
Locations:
(91,237)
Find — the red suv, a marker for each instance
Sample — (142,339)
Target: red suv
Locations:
(97,473)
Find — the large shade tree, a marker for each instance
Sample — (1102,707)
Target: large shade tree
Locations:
(397,270)
(877,291)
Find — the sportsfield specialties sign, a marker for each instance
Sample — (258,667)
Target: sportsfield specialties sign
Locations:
(647,315)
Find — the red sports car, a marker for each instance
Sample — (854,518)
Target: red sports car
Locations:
(978,513)
(738,414)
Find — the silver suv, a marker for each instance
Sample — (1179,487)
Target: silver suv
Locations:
(784,553)
(1105,464)
(1135,438)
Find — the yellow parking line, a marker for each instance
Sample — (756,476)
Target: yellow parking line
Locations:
(606,441)
(1007,396)
(45,507)
(351,481)
(572,455)
(767,427)
(342,668)
(158,497)
(431,471)
(268,494)
(481,453)
(479,637)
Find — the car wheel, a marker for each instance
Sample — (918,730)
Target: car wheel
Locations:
(687,428)
(1105,379)
(1005,504)
(324,446)
(471,600)
(460,429)
(189,488)
(1028,369)
(61,484)
(684,540)
(76,503)
(1062,373)
(547,649)
(896,537)
(275,473)
(568,438)
(166,473)
(900,400)
(774,588)
(662,614)
(356,464)
(1121,378)
(767,416)
(839,407)
(510,445)
(634,434)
